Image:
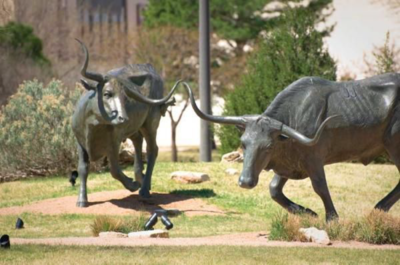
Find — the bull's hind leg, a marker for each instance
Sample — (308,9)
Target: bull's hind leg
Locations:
(117,173)
(83,171)
(276,191)
(389,200)
(137,140)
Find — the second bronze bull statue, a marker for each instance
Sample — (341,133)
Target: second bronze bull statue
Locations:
(113,110)
(361,120)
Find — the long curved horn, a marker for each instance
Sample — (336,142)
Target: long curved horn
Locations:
(217,119)
(286,130)
(89,75)
(133,93)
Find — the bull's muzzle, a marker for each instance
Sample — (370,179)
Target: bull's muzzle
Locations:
(119,118)
(247,182)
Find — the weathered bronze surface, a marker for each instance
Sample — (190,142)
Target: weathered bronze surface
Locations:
(356,120)
(125,103)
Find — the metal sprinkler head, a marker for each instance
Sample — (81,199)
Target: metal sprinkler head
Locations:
(19,224)
(151,222)
(5,241)
(72,177)
(168,224)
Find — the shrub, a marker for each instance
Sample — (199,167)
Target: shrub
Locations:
(21,38)
(377,227)
(292,51)
(21,58)
(285,228)
(35,131)
(123,225)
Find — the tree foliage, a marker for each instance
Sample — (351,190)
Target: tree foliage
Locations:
(21,38)
(386,59)
(293,50)
(238,20)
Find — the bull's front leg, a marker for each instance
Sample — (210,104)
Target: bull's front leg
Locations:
(320,186)
(116,171)
(83,171)
(152,153)
(276,191)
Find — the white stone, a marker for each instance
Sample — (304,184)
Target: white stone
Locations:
(127,152)
(112,234)
(313,234)
(235,156)
(151,233)
(232,171)
(189,177)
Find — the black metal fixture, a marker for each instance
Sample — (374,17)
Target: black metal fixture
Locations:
(5,241)
(19,224)
(163,214)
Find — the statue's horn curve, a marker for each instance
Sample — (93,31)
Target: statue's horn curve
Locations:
(231,120)
(89,75)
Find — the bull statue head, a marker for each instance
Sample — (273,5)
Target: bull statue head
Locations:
(113,91)
(260,135)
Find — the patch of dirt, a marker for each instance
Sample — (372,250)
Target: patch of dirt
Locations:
(120,202)
(242,239)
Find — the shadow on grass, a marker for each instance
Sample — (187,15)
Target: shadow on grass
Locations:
(202,193)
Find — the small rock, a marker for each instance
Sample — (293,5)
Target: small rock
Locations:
(151,233)
(112,235)
(235,156)
(232,171)
(313,234)
(189,177)
(127,153)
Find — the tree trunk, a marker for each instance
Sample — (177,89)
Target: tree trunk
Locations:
(174,150)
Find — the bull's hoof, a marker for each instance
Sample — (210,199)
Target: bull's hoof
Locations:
(310,212)
(332,217)
(82,204)
(144,194)
(133,186)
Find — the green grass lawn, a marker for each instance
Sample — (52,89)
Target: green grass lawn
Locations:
(38,254)
(355,189)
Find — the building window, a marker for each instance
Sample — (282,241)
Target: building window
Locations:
(99,12)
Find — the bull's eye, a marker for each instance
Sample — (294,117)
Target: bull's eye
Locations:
(107,94)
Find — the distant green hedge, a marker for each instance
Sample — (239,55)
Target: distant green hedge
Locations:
(21,37)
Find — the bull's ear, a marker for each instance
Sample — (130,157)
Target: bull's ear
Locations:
(241,128)
(282,137)
(87,86)
(139,79)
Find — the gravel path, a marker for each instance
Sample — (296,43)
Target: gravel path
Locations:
(242,239)
(119,202)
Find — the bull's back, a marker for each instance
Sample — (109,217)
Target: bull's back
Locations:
(366,110)
(365,103)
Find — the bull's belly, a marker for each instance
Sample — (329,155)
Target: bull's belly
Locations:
(355,145)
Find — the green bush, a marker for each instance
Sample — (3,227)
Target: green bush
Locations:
(292,51)
(35,131)
(21,38)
